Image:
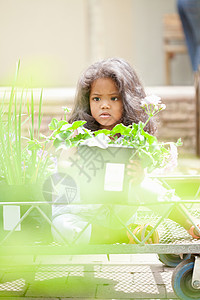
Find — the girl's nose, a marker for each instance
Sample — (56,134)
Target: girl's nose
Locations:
(105,104)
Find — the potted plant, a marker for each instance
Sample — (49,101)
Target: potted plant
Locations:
(25,159)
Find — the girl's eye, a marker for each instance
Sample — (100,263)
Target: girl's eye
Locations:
(96,99)
(114,98)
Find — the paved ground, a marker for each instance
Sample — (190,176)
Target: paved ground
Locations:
(136,276)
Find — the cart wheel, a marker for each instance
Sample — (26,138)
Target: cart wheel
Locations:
(172,260)
(182,281)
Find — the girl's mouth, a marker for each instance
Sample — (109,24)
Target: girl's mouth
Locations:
(105,115)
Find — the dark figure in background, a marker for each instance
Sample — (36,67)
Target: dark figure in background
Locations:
(189,12)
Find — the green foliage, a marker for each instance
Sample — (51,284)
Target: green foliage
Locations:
(152,153)
(23,159)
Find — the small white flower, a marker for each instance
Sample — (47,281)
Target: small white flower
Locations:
(152,99)
(162,106)
(172,159)
(156,107)
(143,104)
(67,109)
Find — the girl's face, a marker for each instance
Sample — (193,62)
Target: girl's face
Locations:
(106,103)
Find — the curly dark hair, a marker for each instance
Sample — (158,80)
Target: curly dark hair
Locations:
(129,86)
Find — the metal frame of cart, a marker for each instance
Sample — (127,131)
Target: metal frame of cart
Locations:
(192,247)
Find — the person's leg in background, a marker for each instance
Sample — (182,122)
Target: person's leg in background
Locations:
(189,12)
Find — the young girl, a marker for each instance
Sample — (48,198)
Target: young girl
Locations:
(108,93)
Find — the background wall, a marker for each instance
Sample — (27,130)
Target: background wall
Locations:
(148,55)
(56,39)
(48,36)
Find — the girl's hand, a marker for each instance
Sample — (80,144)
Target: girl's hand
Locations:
(135,172)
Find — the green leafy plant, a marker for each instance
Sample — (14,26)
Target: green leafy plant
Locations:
(152,153)
(23,158)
